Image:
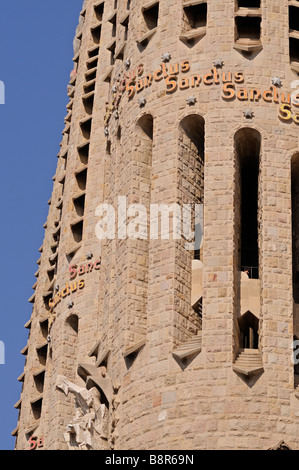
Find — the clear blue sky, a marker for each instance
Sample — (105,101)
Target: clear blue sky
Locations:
(35,62)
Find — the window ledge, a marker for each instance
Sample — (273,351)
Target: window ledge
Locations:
(74,249)
(89,83)
(295,67)
(32,299)
(147,36)
(41,345)
(191,3)
(248,46)
(24,351)
(193,34)
(32,427)
(90,72)
(39,372)
(149,5)
(135,348)
(124,18)
(120,50)
(108,74)
(17,406)
(189,348)
(15,432)
(251,12)
(294,34)
(28,324)
(248,363)
(22,377)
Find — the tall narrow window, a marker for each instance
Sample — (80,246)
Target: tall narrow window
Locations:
(295,253)
(248,20)
(294,34)
(141,165)
(246,353)
(295,228)
(188,323)
(247,145)
(70,344)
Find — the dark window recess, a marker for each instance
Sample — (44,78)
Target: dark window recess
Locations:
(37,408)
(248,144)
(249,328)
(196,15)
(128,4)
(56,238)
(81,179)
(294,18)
(44,326)
(126,28)
(88,104)
(99,11)
(91,76)
(42,355)
(112,53)
(113,21)
(294,50)
(84,154)
(51,274)
(248,28)
(151,16)
(47,299)
(39,381)
(77,231)
(79,204)
(249,3)
(89,88)
(118,135)
(93,52)
(92,65)
(96,34)
(295,226)
(86,128)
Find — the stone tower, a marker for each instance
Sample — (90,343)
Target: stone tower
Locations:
(137,341)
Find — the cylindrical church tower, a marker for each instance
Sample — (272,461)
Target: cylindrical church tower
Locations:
(140,338)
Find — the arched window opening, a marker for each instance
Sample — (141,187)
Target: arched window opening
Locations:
(73,322)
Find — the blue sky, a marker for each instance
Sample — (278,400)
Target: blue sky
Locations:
(35,62)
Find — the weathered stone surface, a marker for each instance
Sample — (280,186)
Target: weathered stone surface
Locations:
(167,152)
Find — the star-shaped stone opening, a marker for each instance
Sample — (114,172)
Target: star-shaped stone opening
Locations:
(218,63)
(191,100)
(127,63)
(248,114)
(142,102)
(277,81)
(166,57)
